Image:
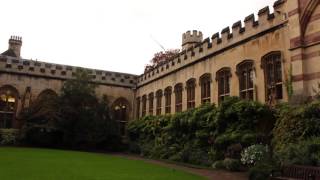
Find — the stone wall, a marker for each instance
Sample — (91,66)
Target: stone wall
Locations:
(30,78)
(279,31)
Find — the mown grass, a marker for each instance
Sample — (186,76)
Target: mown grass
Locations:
(45,164)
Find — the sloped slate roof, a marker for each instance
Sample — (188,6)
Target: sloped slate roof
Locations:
(10,53)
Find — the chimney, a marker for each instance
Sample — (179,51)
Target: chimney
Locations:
(15,43)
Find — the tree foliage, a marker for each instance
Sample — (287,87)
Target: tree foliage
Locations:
(76,118)
(161,57)
(203,135)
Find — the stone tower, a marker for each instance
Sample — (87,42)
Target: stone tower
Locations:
(190,39)
(15,43)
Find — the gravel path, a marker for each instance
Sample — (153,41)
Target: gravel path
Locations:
(210,174)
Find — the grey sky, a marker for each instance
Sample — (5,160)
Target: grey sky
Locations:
(113,35)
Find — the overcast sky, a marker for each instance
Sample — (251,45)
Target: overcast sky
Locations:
(115,35)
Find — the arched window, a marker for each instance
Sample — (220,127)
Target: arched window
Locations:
(178,94)
(138,107)
(167,95)
(159,103)
(205,81)
(8,106)
(191,85)
(144,105)
(223,78)
(271,63)
(121,113)
(246,74)
(151,97)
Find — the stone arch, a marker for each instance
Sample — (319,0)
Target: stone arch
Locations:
(306,15)
(9,97)
(205,76)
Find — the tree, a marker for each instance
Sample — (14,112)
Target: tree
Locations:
(76,118)
(86,120)
(40,122)
(162,57)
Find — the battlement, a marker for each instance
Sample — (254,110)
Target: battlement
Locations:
(240,33)
(63,72)
(189,39)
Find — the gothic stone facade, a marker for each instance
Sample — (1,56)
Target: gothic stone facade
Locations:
(268,59)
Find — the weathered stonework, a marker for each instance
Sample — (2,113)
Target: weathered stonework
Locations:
(291,33)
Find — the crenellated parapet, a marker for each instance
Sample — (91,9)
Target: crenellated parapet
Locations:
(46,70)
(240,33)
(190,39)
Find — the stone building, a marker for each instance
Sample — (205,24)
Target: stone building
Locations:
(270,59)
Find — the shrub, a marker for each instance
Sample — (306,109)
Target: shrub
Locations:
(261,172)
(254,154)
(218,165)
(305,152)
(248,139)
(296,123)
(205,134)
(215,155)
(43,137)
(9,136)
(232,164)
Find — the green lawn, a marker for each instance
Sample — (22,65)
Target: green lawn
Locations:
(44,164)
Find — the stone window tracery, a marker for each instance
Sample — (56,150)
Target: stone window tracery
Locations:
(121,114)
(151,98)
(167,94)
(8,106)
(159,103)
(272,66)
(205,82)
(223,78)
(178,95)
(144,105)
(191,85)
(245,73)
(138,107)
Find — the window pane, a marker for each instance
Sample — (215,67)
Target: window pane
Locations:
(227,88)
(243,95)
(279,91)
(251,76)
(250,95)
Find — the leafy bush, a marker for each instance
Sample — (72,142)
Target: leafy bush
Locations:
(9,136)
(218,165)
(305,152)
(232,164)
(205,134)
(261,172)
(43,137)
(254,154)
(296,123)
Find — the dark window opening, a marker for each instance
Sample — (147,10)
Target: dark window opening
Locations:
(167,94)
(191,85)
(205,82)
(223,78)
(178,94)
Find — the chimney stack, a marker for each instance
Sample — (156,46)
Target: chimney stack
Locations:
(15,43)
